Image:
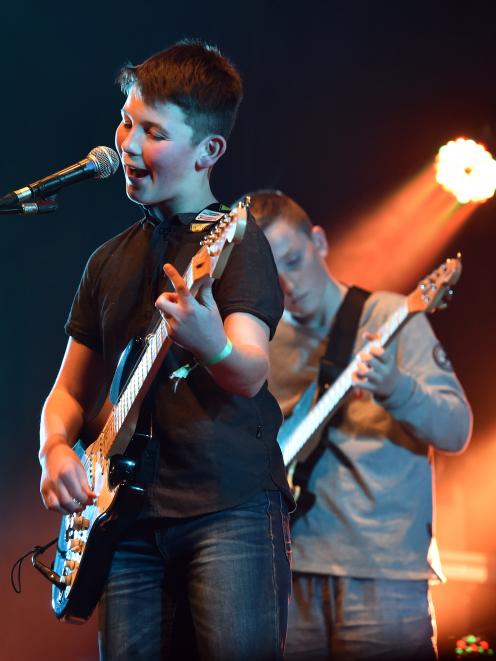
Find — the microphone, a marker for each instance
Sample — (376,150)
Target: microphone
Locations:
(100,163)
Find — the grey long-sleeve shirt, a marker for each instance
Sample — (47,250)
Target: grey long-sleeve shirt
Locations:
(373,516)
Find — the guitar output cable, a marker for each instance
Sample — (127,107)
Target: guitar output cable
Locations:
(15,572)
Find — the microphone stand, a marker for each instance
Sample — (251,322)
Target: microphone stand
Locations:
(32,208)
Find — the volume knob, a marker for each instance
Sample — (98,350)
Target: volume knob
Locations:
(80,522)
(76,545)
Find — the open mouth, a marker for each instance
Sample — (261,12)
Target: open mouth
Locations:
(136,173)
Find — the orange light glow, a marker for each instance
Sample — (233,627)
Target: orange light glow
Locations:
(396,243)
(466,169)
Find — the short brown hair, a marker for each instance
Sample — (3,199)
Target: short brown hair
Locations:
(270,205)
(194,76)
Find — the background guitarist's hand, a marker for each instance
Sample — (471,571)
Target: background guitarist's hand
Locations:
(377,370)
(64,486)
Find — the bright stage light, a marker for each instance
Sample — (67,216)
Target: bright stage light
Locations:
(466,169)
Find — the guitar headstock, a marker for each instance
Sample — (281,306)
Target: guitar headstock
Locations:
(211,259)
(435,290)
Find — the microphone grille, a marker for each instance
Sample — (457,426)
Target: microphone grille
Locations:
(106,161)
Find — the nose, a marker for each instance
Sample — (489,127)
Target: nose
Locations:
(130,142)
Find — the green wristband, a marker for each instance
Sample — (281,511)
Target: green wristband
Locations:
(222,355)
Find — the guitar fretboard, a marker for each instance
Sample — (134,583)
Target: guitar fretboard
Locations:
(154,343)
(332,398)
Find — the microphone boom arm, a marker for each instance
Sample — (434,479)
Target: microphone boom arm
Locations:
(31,208)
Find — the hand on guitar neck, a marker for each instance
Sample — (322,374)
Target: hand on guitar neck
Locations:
(191,319)
(195,324)
(376,369)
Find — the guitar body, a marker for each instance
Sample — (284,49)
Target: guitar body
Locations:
(300,468)
(127,361)
(87,540)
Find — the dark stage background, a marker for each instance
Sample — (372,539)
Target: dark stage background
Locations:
(344,103)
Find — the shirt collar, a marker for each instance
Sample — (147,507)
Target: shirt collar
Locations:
(181,218)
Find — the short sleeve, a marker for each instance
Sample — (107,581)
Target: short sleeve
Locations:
(249,282)
(83,323)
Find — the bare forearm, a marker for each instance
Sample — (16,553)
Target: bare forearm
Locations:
(243,372)
(62,418)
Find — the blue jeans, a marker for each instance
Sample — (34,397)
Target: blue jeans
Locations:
(339,617)
(213,587)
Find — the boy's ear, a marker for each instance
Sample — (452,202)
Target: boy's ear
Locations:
(210,150)
(319,240)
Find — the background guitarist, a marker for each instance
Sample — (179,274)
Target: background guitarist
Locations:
(207,563)
(360,554)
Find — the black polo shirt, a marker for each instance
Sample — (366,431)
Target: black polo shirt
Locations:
(210,449)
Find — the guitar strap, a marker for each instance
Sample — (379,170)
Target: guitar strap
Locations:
(342,337)
(335,359)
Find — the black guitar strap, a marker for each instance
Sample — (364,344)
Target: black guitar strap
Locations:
(336,358)
(342,337)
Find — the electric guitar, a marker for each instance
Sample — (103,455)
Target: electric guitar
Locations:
(300,433)
(87,539)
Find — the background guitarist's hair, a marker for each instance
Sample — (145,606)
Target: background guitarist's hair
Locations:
(269,205)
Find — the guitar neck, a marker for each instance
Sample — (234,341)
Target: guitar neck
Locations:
(330,401)
(157,345)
